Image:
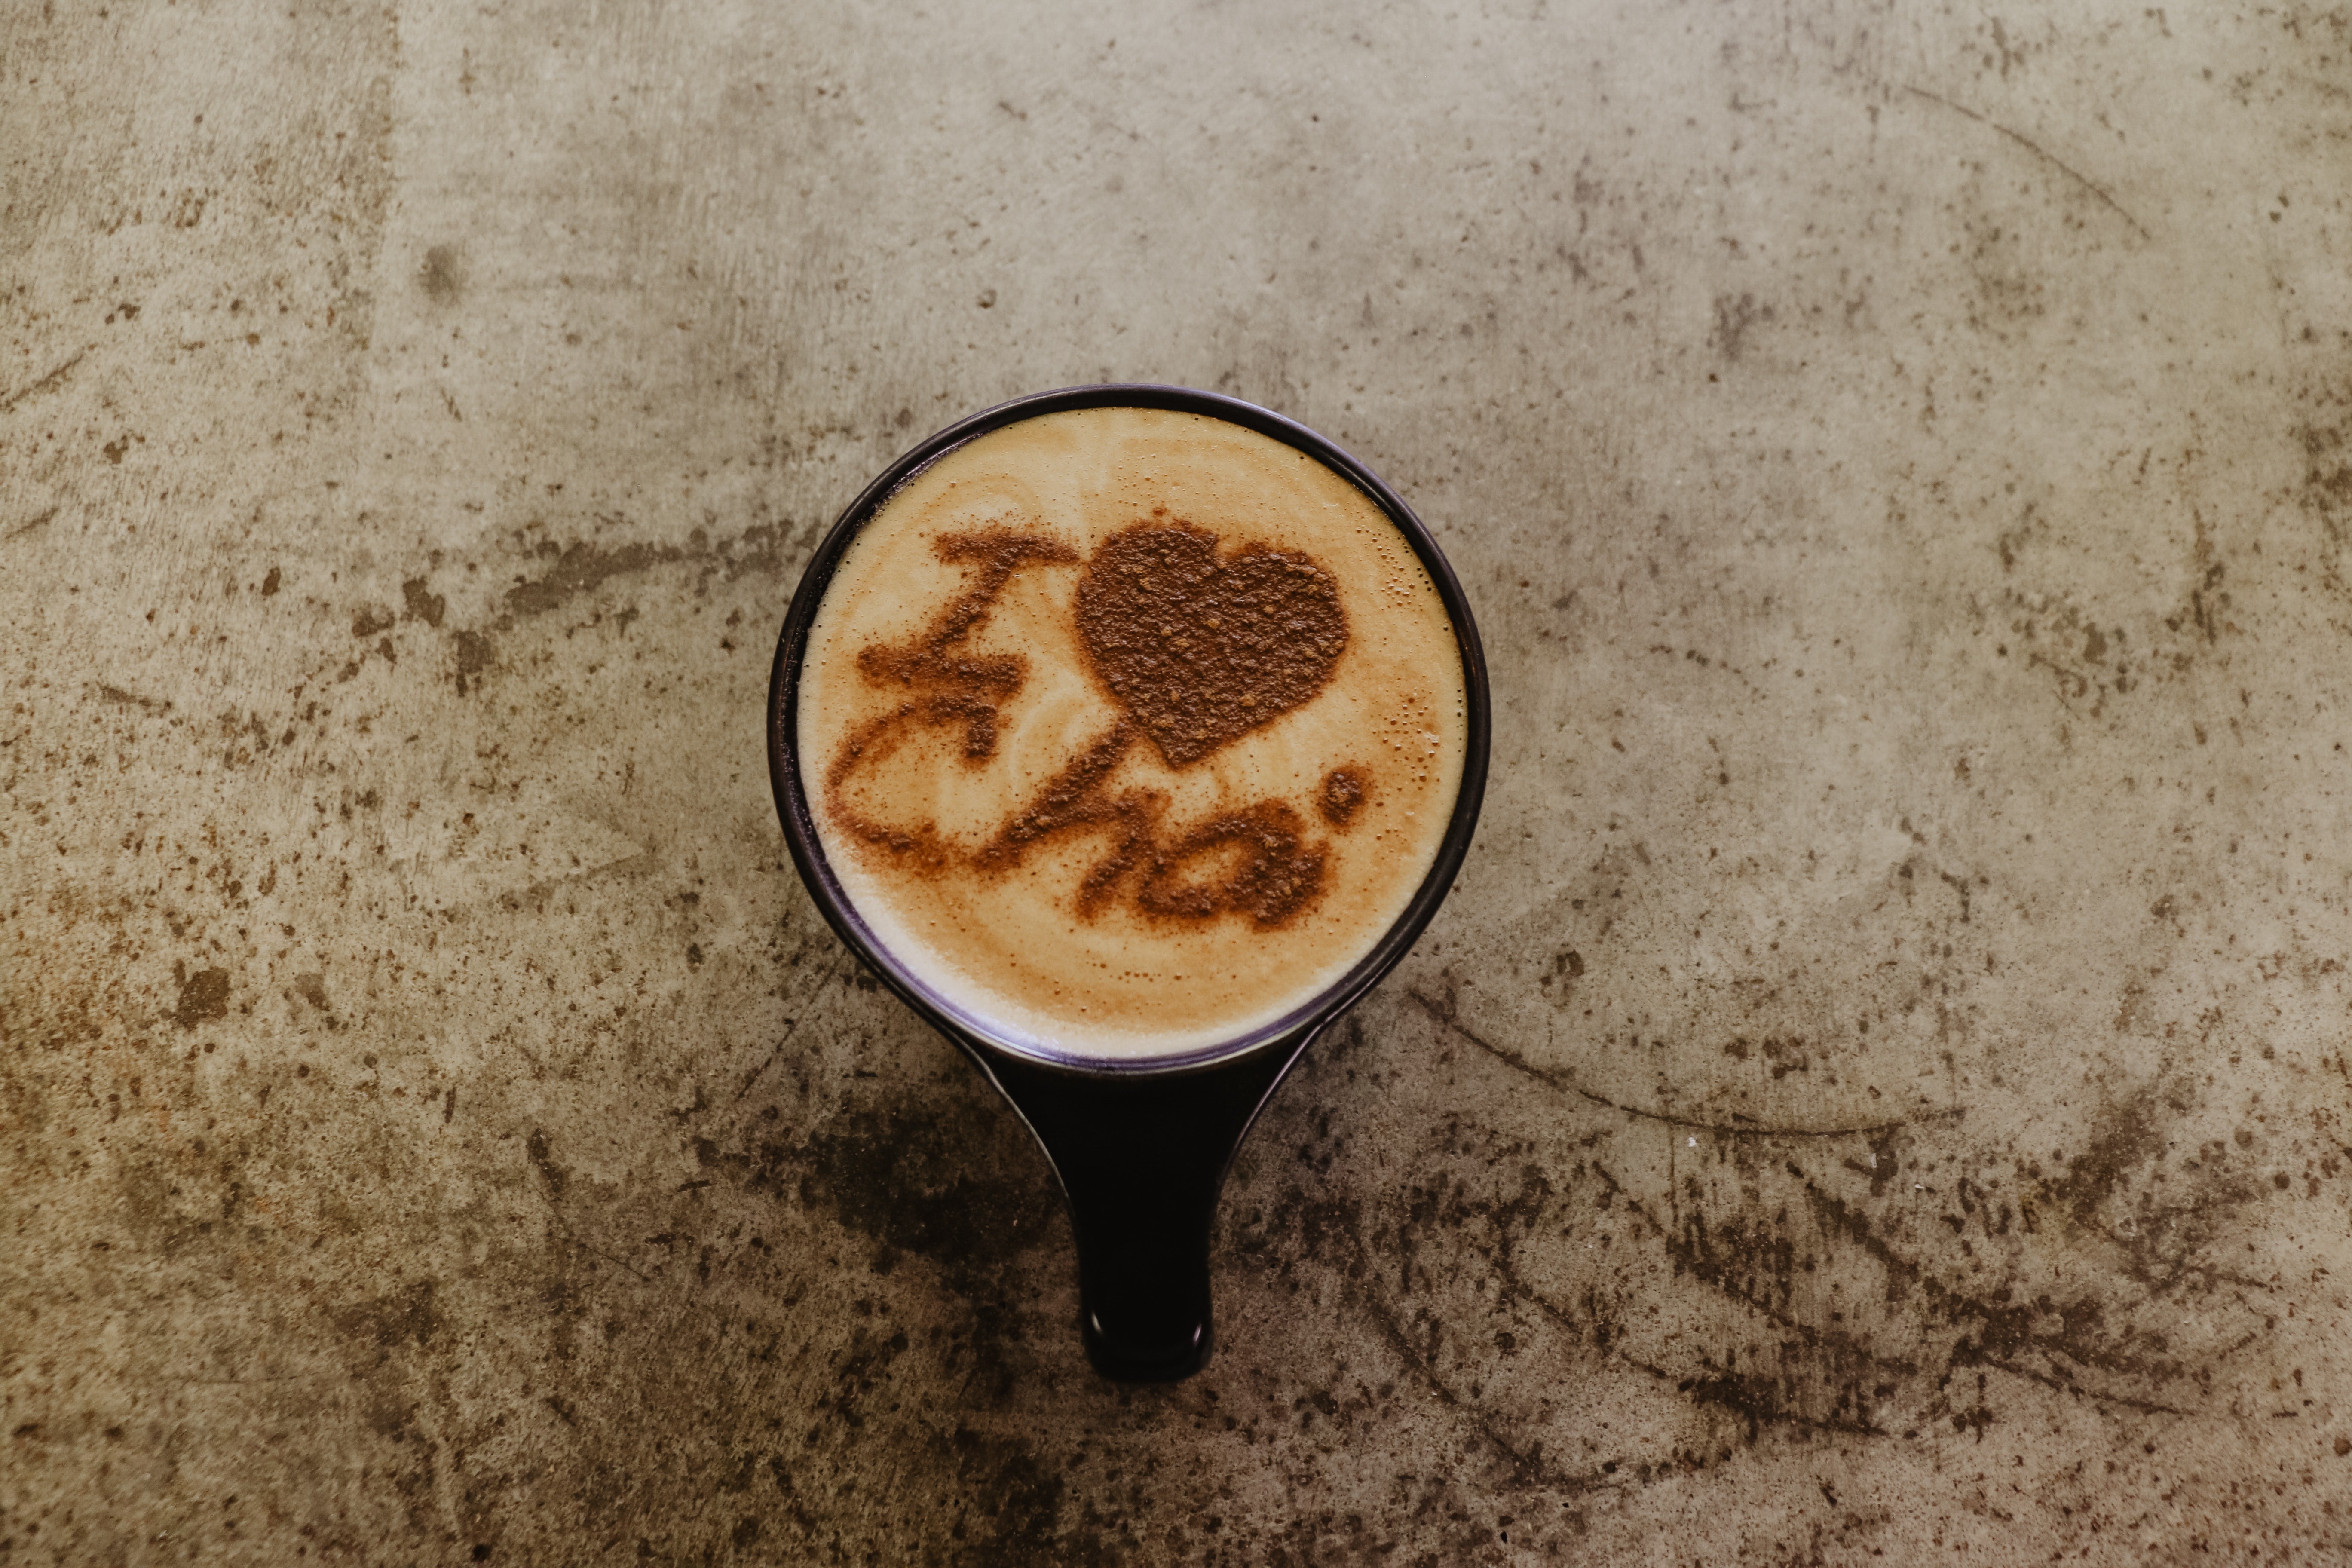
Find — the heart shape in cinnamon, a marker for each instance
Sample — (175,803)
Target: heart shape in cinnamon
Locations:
(1200,651)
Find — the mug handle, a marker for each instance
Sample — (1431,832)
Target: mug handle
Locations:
(1141,1158)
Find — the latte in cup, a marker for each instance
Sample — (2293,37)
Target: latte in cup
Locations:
(1129,731)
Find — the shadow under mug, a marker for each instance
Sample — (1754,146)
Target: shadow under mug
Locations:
(1141,1147)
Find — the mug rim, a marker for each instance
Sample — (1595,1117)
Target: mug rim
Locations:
(966,1026)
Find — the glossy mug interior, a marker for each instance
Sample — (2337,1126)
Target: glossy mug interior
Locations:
(1130,733)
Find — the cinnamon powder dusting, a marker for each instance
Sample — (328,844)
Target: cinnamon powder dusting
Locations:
(1342,796)
(1200,650)
(1195,651)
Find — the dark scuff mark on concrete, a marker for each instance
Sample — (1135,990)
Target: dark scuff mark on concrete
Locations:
(311,986)
(2323,433)
(403,1317)
(441,274)
(582,568)
(1734,316)
(2084,181)
(34,523)
(474,651)
(122,699)
(1761,1400)
(48,381)
(555,1176)
(204,995)
(1444,1013)
(422,604)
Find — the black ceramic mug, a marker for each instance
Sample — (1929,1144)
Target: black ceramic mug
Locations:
(1142,1146)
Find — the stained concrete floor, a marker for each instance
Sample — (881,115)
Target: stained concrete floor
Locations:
(1878,1093)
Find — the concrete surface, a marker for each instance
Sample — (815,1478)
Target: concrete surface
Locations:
(1879,1092)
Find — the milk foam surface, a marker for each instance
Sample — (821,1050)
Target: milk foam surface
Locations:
(1347,794)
